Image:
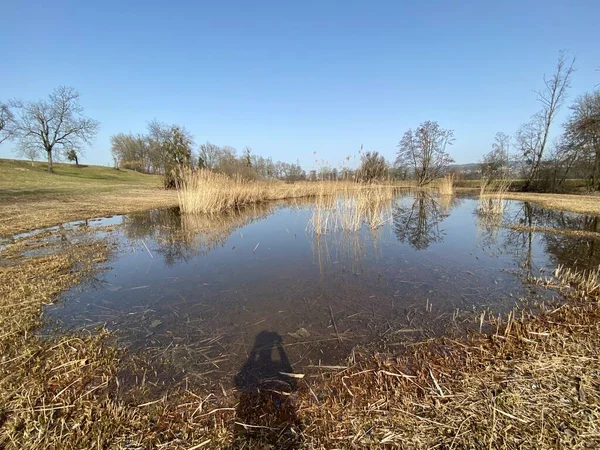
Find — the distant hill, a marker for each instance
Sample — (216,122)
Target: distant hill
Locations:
(465,167)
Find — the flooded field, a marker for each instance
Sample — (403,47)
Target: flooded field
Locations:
(200,294)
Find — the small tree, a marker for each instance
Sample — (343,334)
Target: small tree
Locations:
(373,167)
(248,157)
(72,156)
(208,155)
(52,125)
(424,151)
(177,153)
(495,163)
(131,152)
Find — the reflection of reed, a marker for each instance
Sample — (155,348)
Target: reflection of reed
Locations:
(205,232)
(182,236)
(492,197)
(488,228)
(347,249)
(448,203)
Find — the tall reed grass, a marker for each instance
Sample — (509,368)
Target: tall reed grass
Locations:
(492,197)
(350,209)
(204,191)
(445,186)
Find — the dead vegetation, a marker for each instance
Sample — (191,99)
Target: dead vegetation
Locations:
(445,186)
(492,197)
(207,192)
(583,204)
(563,231)
(347,211)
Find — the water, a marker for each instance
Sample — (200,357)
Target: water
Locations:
(194,292)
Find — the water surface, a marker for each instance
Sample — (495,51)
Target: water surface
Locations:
(196,291)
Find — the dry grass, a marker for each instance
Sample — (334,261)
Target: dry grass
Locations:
(445,186)
(492,197)
(530,383)
(30,198)
(207,192)
(583,204)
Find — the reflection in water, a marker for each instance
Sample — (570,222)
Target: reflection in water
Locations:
(266,413)
(349,250)
(184,236)
(419,223)
(197,310)
(582,252)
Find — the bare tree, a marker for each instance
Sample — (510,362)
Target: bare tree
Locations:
(532,138)
(6,122)
(424,151)
(373,167)
(208,155)
(582,134)
(53,125)
(30,153)
(495,164)
(131,152)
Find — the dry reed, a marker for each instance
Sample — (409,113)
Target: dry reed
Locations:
(205,191)
(492,196)
(367,204)
(445,186)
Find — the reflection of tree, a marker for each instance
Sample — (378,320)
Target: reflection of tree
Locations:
(488,228)
(183,236)
(419,224)
(568,250)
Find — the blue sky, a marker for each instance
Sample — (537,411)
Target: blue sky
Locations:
(292,78)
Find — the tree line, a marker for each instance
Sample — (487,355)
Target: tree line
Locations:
(164,147)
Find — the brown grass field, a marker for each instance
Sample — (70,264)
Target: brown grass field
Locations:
(31,198)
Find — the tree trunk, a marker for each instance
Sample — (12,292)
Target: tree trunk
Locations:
(76,161)
(50,170)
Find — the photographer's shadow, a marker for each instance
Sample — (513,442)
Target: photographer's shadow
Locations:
(266,415)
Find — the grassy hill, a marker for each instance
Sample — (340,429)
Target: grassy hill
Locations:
(30,197)
(23,177)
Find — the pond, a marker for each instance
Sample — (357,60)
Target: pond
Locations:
(193,292)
